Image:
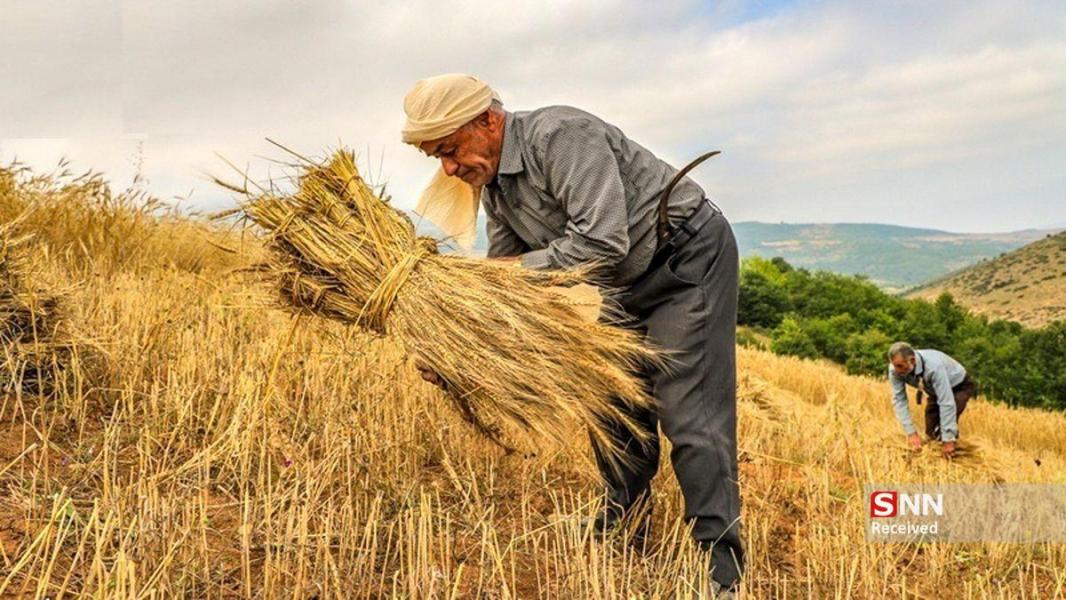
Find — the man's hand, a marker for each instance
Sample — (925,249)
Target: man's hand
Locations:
(915,441)
(948,448)
(430,375)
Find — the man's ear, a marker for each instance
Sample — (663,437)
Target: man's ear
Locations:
(487,120)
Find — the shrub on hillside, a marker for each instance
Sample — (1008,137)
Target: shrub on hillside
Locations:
(790,338)
(866,352)
(762,301)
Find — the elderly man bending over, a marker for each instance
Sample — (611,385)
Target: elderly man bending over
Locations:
(941,377)
(562,188)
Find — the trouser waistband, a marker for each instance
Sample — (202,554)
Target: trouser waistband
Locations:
(701,215)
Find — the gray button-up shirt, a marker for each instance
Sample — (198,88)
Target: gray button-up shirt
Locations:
(941,373)
(572,189)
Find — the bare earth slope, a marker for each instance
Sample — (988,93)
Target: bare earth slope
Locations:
(1027,285)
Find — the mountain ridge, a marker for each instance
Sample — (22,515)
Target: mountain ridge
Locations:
(1027,285)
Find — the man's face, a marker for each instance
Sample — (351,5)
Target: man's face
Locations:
(902,365)
(472,153)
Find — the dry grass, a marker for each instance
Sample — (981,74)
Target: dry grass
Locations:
(35,347)
(225,453)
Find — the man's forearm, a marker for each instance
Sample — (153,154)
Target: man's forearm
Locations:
(949,427)
(536,259)
(903,415)
(899,402)
(574,251)
(945,396)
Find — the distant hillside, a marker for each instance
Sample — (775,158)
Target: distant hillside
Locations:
(1027,285)
(893,257)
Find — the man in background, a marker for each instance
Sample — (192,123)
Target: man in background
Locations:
(940,377)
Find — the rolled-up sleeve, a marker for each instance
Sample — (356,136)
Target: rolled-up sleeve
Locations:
(582,173)
(899,401)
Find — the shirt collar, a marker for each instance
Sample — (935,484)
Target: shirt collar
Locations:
(510,154)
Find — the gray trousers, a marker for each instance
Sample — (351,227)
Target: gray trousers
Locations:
(688,307)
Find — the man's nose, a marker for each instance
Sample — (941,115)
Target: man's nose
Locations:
(450,166)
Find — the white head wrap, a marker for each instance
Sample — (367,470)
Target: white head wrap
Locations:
(436,108)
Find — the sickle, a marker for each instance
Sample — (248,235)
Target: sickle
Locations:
(662,229)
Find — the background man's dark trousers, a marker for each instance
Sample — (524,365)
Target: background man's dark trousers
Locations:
(688,306)
(963,393)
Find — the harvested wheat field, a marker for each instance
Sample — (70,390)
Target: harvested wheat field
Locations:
(212,445)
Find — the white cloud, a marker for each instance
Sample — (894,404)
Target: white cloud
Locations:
(826,111)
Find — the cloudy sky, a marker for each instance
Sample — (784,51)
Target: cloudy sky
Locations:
(949,115)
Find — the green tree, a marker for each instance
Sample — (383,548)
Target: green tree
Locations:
(762,302)
(922,327)
(830,335)
(790,338)
(949,312)
(867,353)
(1041,378)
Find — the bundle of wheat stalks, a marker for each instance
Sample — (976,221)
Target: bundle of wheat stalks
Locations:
(512,352)
(31,352)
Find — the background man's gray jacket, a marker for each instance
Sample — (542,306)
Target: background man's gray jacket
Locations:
(941,373)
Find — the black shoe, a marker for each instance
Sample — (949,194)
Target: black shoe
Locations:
(633,524)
